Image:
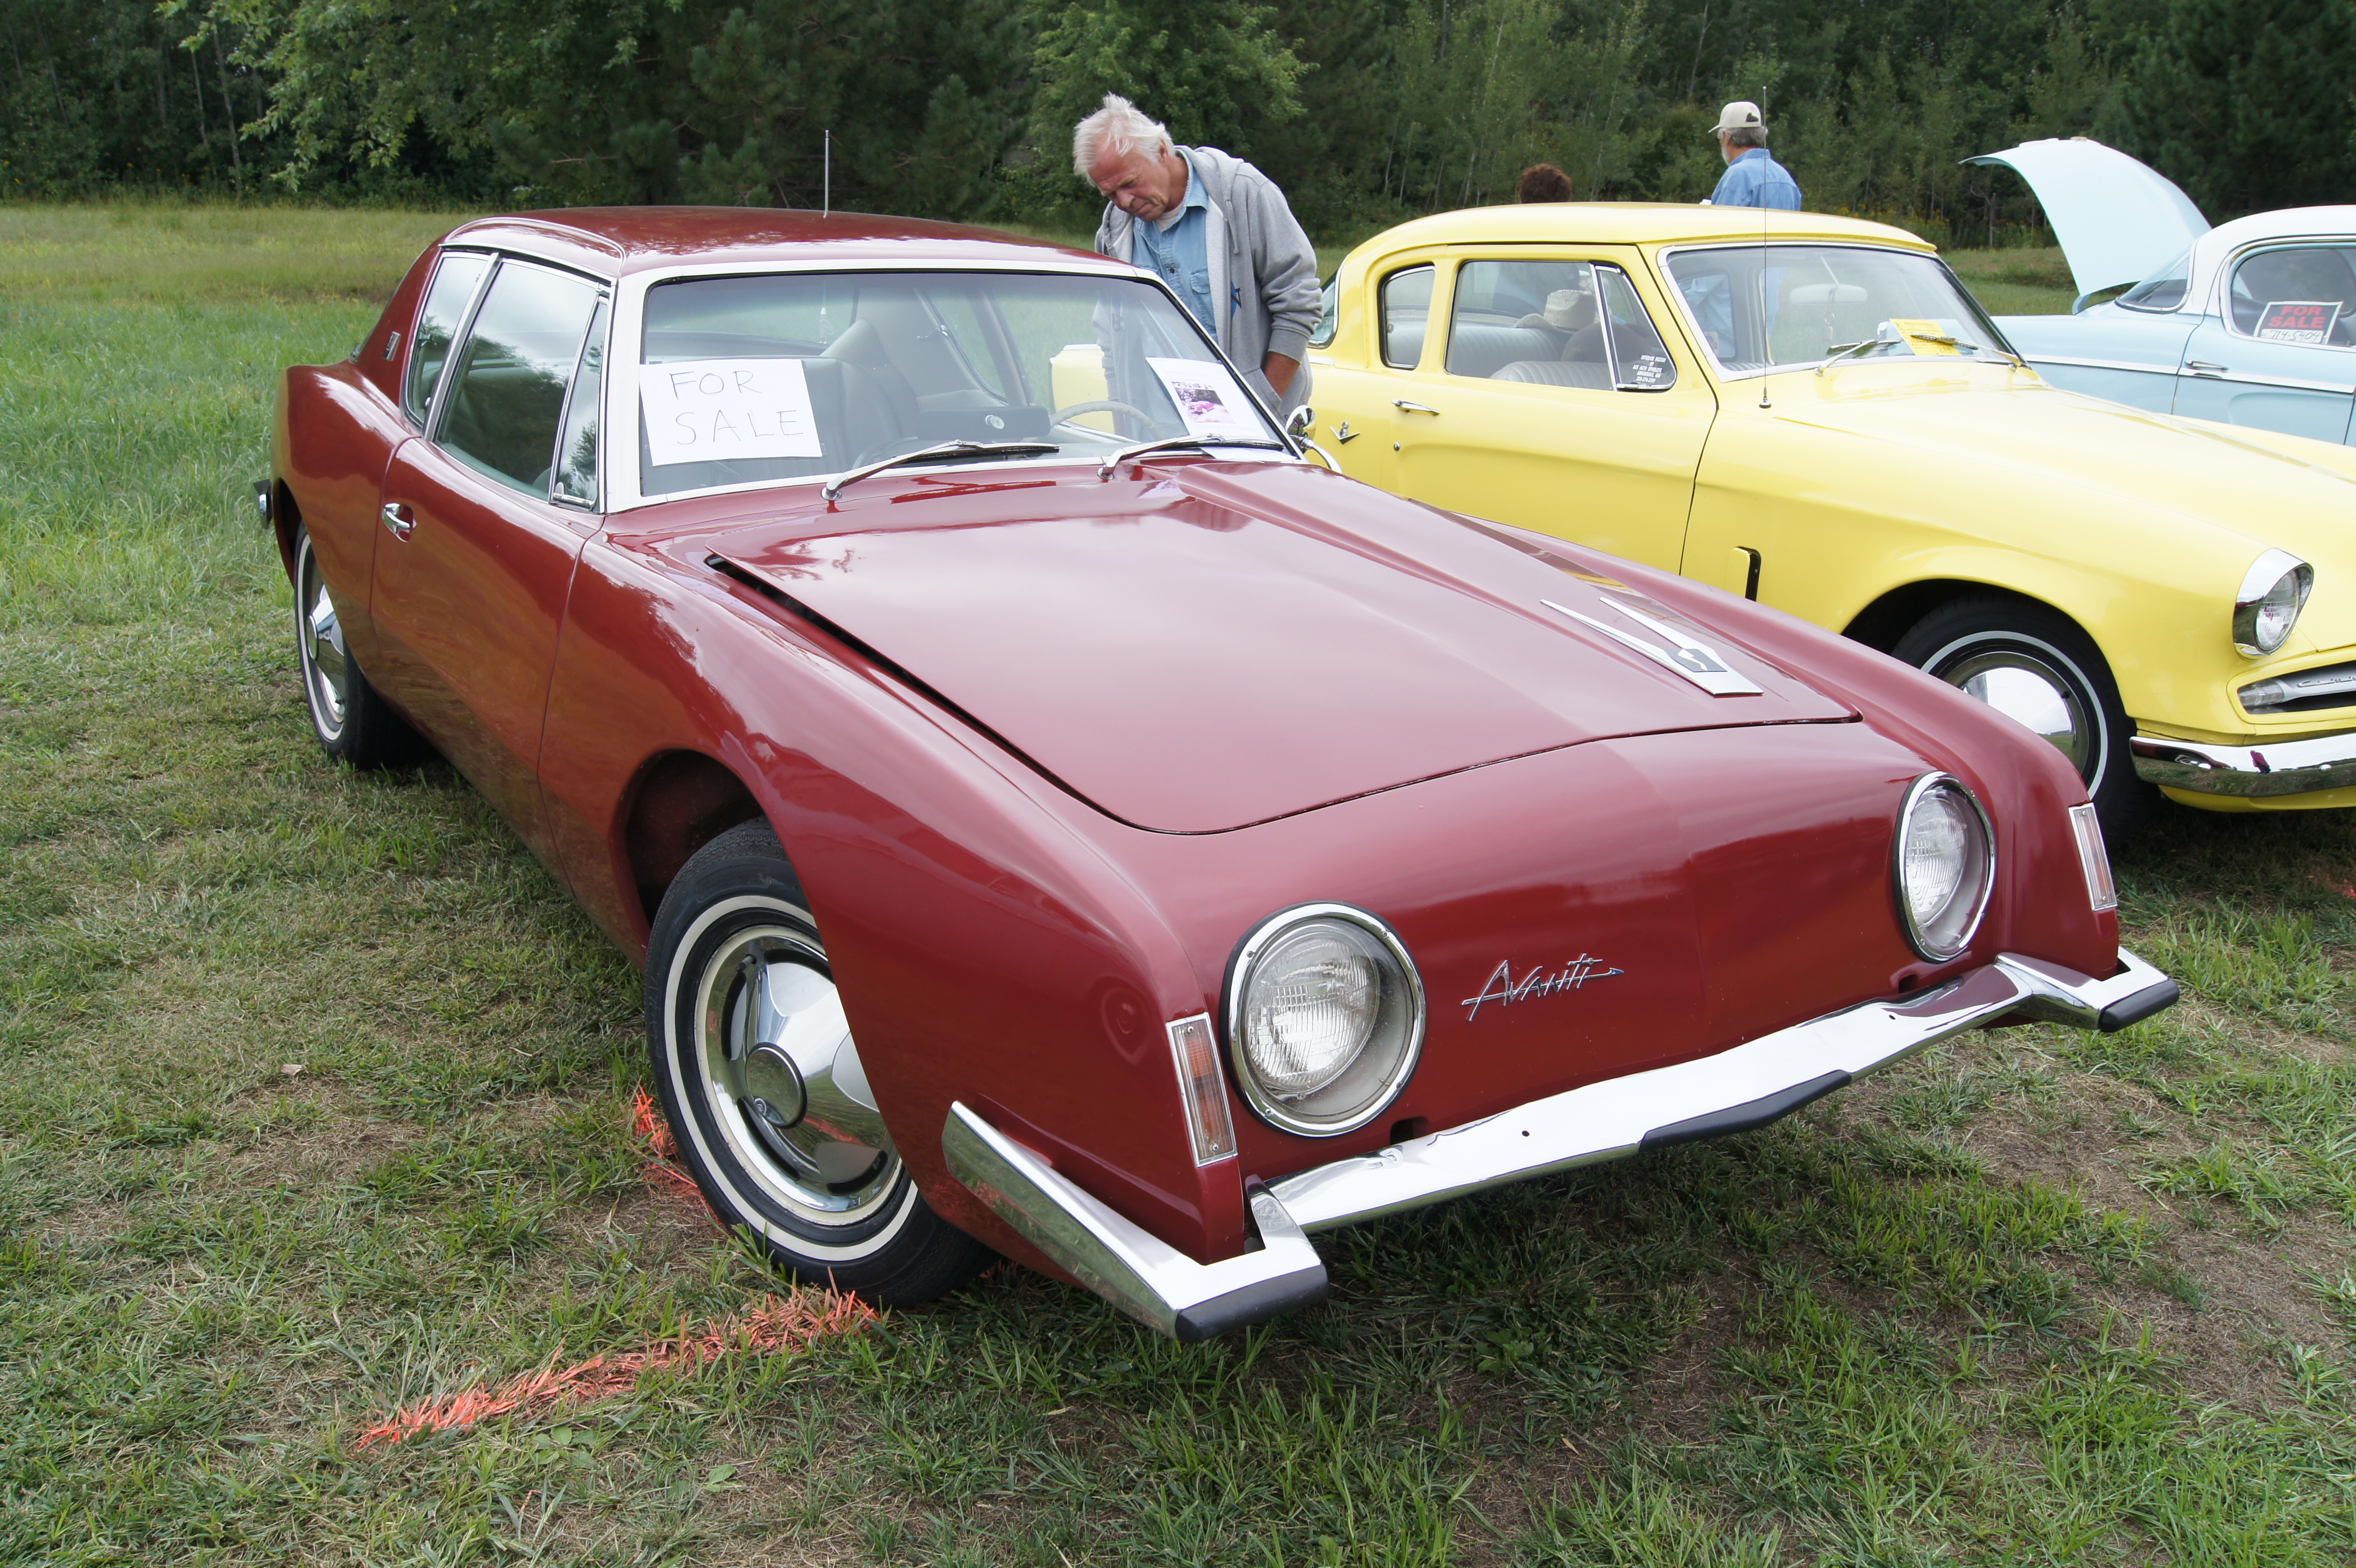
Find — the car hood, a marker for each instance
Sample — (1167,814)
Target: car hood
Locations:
(1977,443)
(2118,220)
(1211,645)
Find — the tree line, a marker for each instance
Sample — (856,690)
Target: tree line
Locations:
(1366,110)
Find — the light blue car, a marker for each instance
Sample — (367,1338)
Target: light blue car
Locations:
(2252,322)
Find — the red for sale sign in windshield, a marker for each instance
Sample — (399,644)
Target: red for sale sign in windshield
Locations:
(2298,320)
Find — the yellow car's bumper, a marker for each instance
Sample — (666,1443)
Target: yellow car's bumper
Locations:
(2301,774)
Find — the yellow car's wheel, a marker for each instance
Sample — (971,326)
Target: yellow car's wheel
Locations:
(2033,665)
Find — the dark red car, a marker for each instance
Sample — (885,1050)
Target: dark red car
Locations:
(911,635)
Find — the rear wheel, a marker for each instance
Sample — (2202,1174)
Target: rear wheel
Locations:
(352,723)
(765,1092)
(2033,665)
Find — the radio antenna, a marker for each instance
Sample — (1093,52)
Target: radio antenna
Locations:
(826,178)
(1766,345)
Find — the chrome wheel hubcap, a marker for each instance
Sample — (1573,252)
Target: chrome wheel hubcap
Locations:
(2035,692)
(321,636)
(781,1077)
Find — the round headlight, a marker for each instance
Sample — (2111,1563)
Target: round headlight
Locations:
(2273,591)
(1325,1018)
(1945,865)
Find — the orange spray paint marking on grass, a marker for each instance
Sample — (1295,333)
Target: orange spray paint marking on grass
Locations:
(780,1324)
(663,1162)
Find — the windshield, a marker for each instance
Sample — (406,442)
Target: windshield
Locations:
(1820,301)
(2164,290)
(747,380)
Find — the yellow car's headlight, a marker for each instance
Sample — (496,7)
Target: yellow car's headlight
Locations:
(2273,591)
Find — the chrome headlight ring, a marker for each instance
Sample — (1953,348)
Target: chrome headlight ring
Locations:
(2266,611)
(1324,1016)
(1941,865)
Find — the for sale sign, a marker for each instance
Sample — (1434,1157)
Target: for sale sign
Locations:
(2298,320)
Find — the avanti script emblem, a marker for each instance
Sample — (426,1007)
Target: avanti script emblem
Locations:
(1504,990)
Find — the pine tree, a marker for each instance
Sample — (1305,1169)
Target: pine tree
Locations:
(2244,103)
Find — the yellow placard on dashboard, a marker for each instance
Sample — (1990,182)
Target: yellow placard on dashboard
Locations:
(1925,337)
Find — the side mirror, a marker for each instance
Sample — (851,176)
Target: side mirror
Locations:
(1300,422)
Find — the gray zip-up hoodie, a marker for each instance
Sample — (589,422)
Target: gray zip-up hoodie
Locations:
(1264,285)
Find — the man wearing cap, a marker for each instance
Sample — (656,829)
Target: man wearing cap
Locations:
(1752,177)
(1221,234)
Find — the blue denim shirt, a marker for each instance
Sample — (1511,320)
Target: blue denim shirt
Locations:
(1754,179)
(1177,245)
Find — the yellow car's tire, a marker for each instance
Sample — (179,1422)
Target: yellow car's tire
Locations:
(2033,664)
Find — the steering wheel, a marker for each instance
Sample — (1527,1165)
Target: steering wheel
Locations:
(1101,405)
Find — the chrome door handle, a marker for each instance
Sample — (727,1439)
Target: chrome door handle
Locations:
(400,518)
(2203,368)
(1412,407)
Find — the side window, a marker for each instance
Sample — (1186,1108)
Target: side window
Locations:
(1556,324)
(507,394)
(1407,312)
(438,320)
(1528,321)
(1326,319)
(2302,294)
(1639,360)
(576,453)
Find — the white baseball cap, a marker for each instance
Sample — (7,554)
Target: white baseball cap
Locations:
(1739,115)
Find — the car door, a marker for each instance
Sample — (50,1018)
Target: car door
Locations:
(1552,403)
(1355,386)
(2281,352)
(483,518)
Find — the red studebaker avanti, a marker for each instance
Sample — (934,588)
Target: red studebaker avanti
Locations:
(1058,816)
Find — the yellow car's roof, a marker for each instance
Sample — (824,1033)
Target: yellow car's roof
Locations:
(1627,224)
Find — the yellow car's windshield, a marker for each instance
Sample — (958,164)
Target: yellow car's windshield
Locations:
(1762,307)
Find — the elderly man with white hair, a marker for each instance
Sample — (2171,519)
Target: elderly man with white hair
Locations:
(1218,232)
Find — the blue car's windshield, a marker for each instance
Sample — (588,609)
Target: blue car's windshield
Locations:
(1761,307)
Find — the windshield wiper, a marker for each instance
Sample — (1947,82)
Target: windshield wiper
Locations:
(2017,360)
(1171,443)
(955,450)
(1835,352)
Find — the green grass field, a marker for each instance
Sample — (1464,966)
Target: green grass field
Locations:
(316,1104)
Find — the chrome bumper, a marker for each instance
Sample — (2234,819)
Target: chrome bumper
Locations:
(2284,767)
(1745,1087)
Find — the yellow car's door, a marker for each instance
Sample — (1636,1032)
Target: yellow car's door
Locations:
(1551,401)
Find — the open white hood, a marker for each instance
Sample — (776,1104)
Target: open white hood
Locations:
(2117,220)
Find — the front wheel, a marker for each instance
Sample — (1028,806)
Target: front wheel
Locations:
(2033,665)
(351,722)
(765,1090)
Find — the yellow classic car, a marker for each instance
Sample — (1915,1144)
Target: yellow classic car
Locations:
(1813,411)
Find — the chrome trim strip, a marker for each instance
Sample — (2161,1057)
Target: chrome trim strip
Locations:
(1604,1121)
(1122,1260)
(2255,772)
(2149,369)
(2171,371)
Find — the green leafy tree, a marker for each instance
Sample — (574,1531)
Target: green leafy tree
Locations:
(1216,73)
(2243,103)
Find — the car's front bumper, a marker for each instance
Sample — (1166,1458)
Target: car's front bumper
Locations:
(1744,1086)
(2249,772)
